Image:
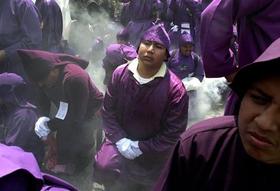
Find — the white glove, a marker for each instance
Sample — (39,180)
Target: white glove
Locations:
(175,28)
(191,83)
(135,148)
(125,148)
(41,127)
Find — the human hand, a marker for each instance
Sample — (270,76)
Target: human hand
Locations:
(41,127)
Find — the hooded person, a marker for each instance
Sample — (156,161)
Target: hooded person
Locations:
(20,171)
(239,152)
(144,113)
(63,81)
(19,116)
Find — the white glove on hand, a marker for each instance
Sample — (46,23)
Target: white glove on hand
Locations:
(135,148)
(125,148)
(175,28)
(41,127)
(191,83)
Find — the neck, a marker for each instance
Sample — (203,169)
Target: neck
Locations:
(147,71)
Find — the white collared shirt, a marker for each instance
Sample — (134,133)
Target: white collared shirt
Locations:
(133,68)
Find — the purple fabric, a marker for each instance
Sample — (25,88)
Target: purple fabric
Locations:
(51,16)
(116,55)
(19,28)
(255,33)
(186,66)
(76,88)
(157,34)
(37,64)
(185,38)
(138,112)
(123,35)
(19,171)
(232,104)
(141,14)
(210,156)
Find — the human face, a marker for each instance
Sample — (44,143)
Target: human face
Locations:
(50,79)
(259,120)
(152,54)
(186,49)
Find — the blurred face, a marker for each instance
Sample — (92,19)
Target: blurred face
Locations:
(50,80)
(259,120)
(186,49)
(152,54)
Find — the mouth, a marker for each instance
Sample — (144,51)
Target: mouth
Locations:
(147,58)
(260,141)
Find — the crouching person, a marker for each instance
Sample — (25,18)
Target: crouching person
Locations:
(64,82)
(144,113)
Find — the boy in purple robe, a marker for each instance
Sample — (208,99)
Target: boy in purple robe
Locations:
(19,28)
(64,82)
(141,15)
(145,111)
(239,152)
(19,116)
(52,27)
(255,33)
(19,171)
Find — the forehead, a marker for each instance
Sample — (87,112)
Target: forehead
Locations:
(152,42)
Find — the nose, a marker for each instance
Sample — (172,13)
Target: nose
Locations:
(151,48)
(269,119)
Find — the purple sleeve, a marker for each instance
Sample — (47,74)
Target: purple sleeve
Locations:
(77,95)
(175,175)
(174,123)
(217,30)
(29,24)
(112,128)
(199,70)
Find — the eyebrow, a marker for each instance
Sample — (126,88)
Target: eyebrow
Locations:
(260,91)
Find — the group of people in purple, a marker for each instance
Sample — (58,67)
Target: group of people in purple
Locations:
(60,132)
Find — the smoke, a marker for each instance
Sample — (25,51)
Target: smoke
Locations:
(209,100)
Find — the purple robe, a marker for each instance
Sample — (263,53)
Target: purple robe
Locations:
(258,26)
(186,66)
(51,17)
(210,156)
(75,88)
(19,171)
(141,14)
(19,28)
(138,112)
(19,124)
(116,55)
(182,12)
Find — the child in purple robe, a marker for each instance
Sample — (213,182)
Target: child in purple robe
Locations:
(145,111)
(19,116)
(19,171)
(255,33)
(239,152)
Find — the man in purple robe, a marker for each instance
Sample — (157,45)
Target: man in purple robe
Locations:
(64,82)
(52,27)
(141,15)
(187,65)
(257,26)
(19,171)
(240,152)
(19,116)
(185,16)
(118,54)
(19,28)
(145,111)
